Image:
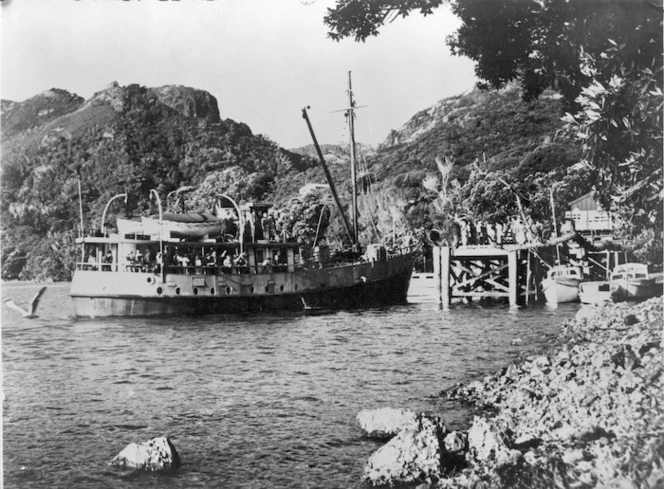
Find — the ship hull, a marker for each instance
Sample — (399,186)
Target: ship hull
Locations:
(101,294)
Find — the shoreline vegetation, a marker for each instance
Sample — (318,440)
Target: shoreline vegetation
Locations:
(589,412)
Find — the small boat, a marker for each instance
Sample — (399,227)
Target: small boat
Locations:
(562,284)
(190,225)
(595,292)
(630,281)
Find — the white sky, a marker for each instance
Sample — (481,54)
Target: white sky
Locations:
(262,59)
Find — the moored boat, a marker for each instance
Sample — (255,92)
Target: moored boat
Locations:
(631,281)
(561,284)
(596,292)
(187,264)
(144,275)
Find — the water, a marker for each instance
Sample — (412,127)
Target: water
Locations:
(264,401)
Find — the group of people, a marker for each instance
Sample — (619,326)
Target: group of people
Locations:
(148,261)
(496,234)
(265,226)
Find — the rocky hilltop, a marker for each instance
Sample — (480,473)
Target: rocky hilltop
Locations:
(189,102)
(36,111)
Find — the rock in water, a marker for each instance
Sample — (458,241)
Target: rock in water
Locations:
(413,455)
(155,454)
(384,423)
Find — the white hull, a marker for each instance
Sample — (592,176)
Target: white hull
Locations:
(594,292)
(562,284)
(631,289)
(557,291)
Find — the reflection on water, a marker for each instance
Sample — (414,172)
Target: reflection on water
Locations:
(248,401)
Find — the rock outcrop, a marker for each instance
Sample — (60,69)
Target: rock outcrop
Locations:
(414,454)
(384,423)
(590,413)
(151,455)
(189,102)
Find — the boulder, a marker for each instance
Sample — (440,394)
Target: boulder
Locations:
(486,443)
(412,455)
(384,423)
(154,454)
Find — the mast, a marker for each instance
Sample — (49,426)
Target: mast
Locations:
(327,175)
(350,114)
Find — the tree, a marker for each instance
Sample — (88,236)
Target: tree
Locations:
(362,18)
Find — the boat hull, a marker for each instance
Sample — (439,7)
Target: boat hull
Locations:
(100,294)
(624,290)
(594,292)
(560,290)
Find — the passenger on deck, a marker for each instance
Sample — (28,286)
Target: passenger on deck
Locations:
(108,261)
(92,262)
(258,227)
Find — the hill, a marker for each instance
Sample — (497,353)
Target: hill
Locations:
(133,139)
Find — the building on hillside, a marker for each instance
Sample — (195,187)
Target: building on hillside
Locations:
(312,187)
(589,218)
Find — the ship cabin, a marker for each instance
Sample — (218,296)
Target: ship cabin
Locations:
(196,244)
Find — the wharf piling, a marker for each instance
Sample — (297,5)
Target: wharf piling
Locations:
(477,272)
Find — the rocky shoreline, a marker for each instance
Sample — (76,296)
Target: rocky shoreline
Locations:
(587,413)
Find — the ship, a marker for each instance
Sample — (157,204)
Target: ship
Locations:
(188,264)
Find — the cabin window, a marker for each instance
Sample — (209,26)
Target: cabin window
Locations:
(228,290)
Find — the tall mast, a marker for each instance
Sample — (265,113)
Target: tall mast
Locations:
(327,174)
(350,114)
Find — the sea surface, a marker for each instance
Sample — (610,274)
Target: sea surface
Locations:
(261,401)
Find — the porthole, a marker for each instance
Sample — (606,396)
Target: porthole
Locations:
(228,290)
(177,290)
(150,280)
(195,291)
(295,287)
(159,290)
(212,291)
(281,288)
(251,289)
(267,288)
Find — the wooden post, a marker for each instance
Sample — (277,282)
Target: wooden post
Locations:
(528,277)
(445,276)
(436,269)
(513,278)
